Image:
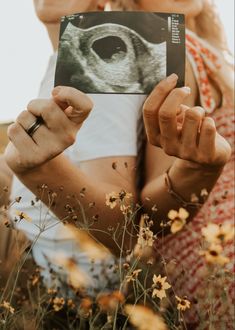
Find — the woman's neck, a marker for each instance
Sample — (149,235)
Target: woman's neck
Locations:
(191,24)
(53,30)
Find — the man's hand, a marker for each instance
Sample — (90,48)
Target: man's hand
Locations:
(62,117)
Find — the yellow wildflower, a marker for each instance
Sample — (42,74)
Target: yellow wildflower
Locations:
(23,215)
(71,304)
(109,301)
(145,237)
(133,276)
(58,304)
(204,193)
(126,209)
(154,208)
(213,255)
(178,219)
(85,307)
(183,303)
(6,305)
(52,291)
(112,199)
(123,195)
(218,233)
(160,286)
(76,277)
(144,318)
(87,244)
(121,198)
(194,198)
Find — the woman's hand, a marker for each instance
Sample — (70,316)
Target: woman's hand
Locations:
(62,118)
(180,131)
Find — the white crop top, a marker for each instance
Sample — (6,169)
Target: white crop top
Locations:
(110,130)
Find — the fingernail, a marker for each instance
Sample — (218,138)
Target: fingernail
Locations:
(172,78)
(187,89)
(56,91)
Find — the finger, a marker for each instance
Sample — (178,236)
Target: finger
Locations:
(168,113)
(21,140)
(26,119)
(192,122)
(207,138)
(79,104)
(180,116)
(52,115)
(153,103)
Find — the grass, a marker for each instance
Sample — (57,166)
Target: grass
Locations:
(143,296)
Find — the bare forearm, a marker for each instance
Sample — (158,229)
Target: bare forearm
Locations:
(5,182)
(187,180)
(75,191)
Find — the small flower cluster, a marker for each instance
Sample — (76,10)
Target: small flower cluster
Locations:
(122,199)
(216,236)
(177,219)
(7,306)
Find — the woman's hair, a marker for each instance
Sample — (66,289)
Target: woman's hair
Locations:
(209,24)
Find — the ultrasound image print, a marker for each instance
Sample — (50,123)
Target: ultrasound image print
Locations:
(109,57)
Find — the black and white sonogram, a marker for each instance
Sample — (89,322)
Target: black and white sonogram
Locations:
(120,52)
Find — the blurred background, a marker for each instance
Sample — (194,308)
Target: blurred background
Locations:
(25,49)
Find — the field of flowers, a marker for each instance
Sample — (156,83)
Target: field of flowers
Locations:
(143,297)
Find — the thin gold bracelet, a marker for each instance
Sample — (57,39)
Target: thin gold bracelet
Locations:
(176,196)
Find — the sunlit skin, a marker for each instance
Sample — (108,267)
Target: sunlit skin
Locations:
(50,11)
(160,117)
(98,175)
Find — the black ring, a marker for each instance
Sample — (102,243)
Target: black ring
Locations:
(35,126)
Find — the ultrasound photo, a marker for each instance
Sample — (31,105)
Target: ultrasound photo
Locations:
(120,52)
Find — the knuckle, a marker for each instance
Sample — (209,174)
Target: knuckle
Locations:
(89,106)
(164,115)
(199,110)
(12,130)
(22,116)
(209,127)
(69,93)
(193,115)
(162,88)
(85,113)
(50,106)
(49,111)
(31,104)
(148,110)
(66,92)
(209,130)
(177,92)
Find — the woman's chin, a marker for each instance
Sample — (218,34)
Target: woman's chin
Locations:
(49,19)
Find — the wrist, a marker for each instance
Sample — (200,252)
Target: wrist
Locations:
(189,179)
(42,170)
(185,167)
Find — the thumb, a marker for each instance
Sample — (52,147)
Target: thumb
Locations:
(75,104)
